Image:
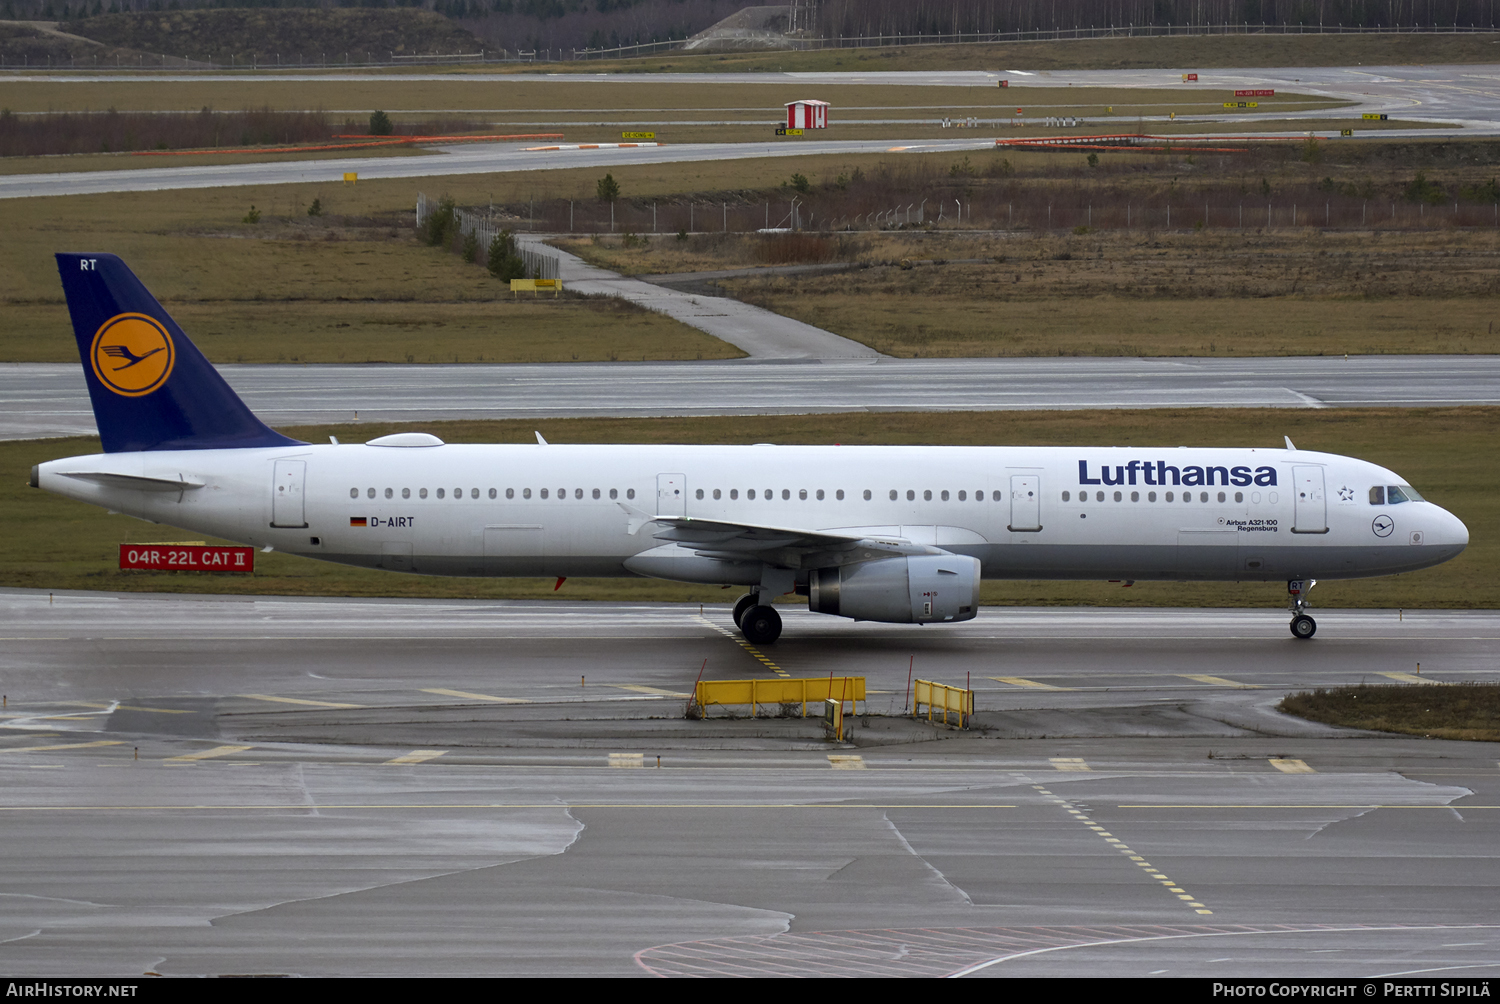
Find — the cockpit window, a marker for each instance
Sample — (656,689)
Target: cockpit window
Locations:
(1377,495)
(1410,493)
(1394,494)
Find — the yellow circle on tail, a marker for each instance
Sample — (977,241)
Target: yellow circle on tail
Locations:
(133,354)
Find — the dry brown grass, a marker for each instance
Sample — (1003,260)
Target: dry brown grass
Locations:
(1462,711)
(1192,52)
(58,543)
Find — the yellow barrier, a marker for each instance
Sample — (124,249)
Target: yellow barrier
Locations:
(941,696)
(779,691)
(517,285)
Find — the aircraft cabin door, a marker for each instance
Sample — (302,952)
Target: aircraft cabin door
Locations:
(287,507)
(1025,503)
(671,495)
(1311,512)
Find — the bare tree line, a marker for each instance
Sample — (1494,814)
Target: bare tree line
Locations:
(891,17)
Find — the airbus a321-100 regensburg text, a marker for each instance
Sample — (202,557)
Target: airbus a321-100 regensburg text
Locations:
(879,533)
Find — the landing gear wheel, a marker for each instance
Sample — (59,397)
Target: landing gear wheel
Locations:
(1303,627)
(745,603)
(761,625)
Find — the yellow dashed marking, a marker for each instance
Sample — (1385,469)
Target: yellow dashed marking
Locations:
(1287,766)
(1021,681)
(1219,681)
(209,754)
(129,707)
(1077,763)
(1409,678)
(64,746)
(417,756)
(466,695)
(847,762)
(627,759)
(1069,763)
(298,700)
(742,643)
(641,689)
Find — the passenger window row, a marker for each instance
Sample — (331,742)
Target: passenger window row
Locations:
(769,494)
(1151,496)
(510,493)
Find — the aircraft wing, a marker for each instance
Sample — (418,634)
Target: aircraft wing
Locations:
(786,546)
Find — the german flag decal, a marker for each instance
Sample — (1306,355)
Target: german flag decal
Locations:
(357,521)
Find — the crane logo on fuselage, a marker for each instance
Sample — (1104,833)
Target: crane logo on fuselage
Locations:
(1162,473)
(132,354)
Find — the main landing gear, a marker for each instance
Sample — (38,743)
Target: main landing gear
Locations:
(760,625)
(1303,626)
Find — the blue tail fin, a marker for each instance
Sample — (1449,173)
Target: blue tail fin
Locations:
(151,387)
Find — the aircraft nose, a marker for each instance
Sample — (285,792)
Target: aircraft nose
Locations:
(1450,530)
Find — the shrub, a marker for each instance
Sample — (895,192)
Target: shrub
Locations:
(380,124)
(503,261)
(471,247)
(316,209)
(253,216)
(608,189)
(439,223)
(800,183)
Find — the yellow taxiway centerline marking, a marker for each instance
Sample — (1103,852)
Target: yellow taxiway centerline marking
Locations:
(208,754)
(417,756)
(1410,678)
(1021,681)
(297,700)
(642,689)
(1219,681)
(742,643)
(128,707)
(847,762)
(1289,766)
(1069,763)
(473,697)
(64,746)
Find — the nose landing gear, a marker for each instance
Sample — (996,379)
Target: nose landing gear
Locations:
(1303,626)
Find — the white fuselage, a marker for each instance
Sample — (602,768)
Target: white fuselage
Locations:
(1024,512)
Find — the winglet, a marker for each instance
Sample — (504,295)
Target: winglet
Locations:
(539,440)
(1289,445)
(638,518)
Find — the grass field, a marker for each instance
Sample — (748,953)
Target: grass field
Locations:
(541,100)
(60,544)
(353,285)
(1216,292)
(1191,52)
(1463,711)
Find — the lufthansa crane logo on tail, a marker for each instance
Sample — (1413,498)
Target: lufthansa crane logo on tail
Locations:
(133,354)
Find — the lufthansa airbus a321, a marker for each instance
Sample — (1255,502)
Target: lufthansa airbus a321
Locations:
(878,533)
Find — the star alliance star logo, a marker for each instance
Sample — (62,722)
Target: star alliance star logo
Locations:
(1346,494)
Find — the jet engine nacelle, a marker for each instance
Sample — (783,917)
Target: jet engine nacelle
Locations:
(907,590)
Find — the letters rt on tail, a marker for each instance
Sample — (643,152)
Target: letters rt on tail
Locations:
(150,386)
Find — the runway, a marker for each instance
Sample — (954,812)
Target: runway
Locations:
(49,399)
(1465,98)
(207,785)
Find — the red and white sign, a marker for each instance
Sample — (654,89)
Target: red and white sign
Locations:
(1189,76)
(187,558)
(1255,94)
